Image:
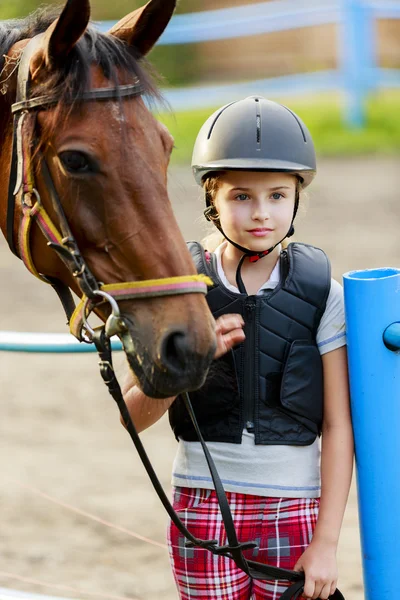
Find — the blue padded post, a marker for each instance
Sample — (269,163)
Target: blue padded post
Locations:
(372,301)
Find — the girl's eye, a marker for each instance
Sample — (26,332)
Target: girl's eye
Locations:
(277,196)
(241,197)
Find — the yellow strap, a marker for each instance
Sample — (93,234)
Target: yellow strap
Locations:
(27,129)
(42,219)
(109,287)
(25,250)
(76,322)
(46,225)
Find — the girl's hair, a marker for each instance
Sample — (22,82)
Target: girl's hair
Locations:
(211,187)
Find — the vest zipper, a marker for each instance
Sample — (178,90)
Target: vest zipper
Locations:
(249,350)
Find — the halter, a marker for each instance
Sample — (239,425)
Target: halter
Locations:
(22,190)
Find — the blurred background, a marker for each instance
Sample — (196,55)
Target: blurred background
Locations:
(336,63)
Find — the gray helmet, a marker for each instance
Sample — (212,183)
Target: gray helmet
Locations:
(254,134)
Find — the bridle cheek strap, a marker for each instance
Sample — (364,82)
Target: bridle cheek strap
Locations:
(29,198)
(37,214)
(136,290)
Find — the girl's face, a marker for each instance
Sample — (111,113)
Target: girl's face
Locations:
(255,208)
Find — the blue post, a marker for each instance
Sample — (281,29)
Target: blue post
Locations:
(372,300)
(357,57)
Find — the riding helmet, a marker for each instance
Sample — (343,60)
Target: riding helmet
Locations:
(254,134)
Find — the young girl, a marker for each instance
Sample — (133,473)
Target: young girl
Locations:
(277,384)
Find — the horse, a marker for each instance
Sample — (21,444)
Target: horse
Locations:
(85,165)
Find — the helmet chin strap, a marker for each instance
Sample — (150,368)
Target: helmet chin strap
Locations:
(253,255)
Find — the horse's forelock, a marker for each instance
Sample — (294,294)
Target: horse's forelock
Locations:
(72,78)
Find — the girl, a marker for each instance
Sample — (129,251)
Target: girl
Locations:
(268,398)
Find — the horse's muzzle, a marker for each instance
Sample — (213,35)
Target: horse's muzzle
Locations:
(169,369)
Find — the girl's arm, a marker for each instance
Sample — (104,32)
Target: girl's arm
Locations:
(319,560)
(146,411)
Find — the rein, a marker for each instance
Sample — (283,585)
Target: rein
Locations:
(22,190)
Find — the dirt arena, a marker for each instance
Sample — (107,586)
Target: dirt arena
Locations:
(60,432)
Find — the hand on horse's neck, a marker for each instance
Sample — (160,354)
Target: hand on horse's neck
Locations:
(254,275)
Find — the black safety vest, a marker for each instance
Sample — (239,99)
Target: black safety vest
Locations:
(273,381)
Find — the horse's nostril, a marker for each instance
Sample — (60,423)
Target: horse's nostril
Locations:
(174,351)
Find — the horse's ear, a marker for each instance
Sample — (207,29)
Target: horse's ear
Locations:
(142,27)
(62,35)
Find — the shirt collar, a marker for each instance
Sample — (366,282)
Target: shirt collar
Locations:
(268,285)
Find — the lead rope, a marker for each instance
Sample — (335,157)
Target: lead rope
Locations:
(103,345)
(234,550)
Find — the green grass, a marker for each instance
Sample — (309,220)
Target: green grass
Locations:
(324,117)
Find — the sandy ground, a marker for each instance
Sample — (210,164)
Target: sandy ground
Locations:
(60,432)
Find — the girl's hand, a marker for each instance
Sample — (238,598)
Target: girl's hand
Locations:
(318,562)
(229,332)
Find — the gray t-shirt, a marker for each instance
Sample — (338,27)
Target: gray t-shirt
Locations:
(264,470)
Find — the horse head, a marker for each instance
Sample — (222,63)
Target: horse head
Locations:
(84,135)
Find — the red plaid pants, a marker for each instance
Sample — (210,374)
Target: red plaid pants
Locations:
(281,527)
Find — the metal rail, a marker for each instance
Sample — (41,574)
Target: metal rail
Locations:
(54,343)
(9,594)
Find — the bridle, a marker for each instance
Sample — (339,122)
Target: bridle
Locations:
(22,189)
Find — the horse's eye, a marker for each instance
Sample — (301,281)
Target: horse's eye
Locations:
(75,162)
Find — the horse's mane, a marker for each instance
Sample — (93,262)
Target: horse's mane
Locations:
(72,78)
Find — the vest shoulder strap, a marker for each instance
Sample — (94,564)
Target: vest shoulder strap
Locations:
(205,262)
(309,274)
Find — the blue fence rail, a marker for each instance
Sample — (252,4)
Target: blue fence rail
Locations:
(242,21)
(357,74)
(47,343)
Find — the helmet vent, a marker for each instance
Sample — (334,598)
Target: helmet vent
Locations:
(258,124)
(217,117)
(258,129)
